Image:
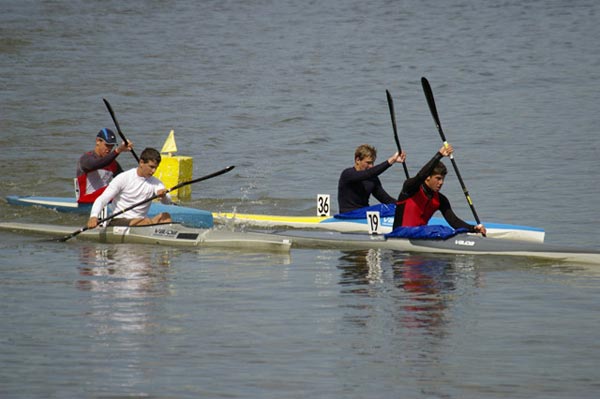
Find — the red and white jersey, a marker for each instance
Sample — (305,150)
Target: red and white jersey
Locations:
(89,185)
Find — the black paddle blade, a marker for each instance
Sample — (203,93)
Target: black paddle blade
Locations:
(394,127)
(431,102)
(114,118)
(393,117)
(73,234)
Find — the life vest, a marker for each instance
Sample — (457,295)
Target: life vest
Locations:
(419,208)
(89,186)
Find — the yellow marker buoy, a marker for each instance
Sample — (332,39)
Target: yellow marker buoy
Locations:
(174,170)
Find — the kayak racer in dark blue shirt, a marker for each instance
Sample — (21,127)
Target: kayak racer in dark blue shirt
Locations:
(359,182)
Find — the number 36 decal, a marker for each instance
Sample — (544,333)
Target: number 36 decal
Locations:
(323,208)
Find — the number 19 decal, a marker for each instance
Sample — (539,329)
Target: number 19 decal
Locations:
(373,222)
(323,205)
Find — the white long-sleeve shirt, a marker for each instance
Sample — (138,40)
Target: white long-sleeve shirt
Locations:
(128,189)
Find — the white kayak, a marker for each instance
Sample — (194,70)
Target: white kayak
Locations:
(179,235)
(173,234)
(465,243)
(361,225)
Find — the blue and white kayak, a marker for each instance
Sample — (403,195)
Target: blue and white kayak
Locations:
(180,214)
(360,222)
(357,223)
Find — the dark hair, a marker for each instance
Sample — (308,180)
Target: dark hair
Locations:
(440,169)
(150,154)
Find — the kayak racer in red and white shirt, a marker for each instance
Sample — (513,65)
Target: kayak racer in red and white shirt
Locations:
(95,169)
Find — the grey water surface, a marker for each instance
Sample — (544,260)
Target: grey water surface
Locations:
(285,90)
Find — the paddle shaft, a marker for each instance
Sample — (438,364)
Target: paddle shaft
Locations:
(436,118)
(81,230)
(114,118)
(393,116)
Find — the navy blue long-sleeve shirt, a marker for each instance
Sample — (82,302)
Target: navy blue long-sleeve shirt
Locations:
(355,187)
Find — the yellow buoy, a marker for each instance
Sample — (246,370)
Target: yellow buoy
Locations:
(174,170)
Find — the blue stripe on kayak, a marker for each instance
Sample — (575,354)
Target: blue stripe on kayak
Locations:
(191,217)
(387,218)
(389,222)
(489,225)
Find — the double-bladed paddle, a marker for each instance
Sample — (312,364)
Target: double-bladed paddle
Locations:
(436,118)
(114,118)
(81,230)
(393,116)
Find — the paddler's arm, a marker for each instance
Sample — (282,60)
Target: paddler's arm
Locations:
(111,191)
(125,146)
(427,169)
(352,175)
(88,162)
(379,192)
(382,195)
(412,184)
(454,221)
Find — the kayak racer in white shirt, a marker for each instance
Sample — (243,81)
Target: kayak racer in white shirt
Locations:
(131,187)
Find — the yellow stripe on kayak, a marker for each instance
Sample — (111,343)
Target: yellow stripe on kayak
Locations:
(271,218)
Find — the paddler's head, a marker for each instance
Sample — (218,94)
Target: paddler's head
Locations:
(435,180)
(149,161)
(105,142)
(364,157)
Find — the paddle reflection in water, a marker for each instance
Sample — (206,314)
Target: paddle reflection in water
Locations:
(360,268)
(360,280)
